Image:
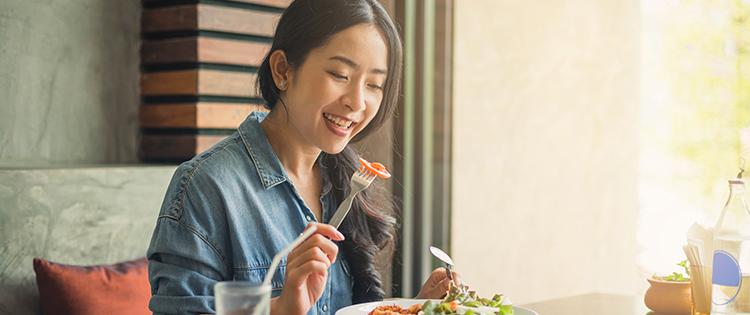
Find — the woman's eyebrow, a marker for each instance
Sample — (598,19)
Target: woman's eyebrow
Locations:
(354,65)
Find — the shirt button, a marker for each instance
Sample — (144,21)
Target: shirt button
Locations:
(309,219)
(325,308)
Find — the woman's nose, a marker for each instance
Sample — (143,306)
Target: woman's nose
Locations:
(355,98)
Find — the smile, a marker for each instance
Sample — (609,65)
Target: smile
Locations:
(338,121)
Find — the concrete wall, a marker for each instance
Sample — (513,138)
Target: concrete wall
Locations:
(81,216)
(68,81)
(545,146)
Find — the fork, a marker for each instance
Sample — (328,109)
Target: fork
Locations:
(361,179)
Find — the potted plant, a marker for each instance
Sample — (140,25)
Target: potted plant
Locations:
(670,294)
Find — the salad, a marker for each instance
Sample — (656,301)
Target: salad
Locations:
(468,303)
(457,302)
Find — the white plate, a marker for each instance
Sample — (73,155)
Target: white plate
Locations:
(364,308)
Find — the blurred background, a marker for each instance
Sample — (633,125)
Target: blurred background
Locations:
(553,148)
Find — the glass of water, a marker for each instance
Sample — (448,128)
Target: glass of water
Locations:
(242,298)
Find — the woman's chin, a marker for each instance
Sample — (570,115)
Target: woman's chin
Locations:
(333,148)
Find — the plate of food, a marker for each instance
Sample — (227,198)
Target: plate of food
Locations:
(457,302)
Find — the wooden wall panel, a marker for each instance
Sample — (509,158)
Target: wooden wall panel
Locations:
(199,63)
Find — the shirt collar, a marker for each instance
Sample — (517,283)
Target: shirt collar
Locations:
(267,164)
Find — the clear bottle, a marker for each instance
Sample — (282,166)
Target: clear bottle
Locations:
(731,263)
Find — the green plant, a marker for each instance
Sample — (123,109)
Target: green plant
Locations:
(677,276)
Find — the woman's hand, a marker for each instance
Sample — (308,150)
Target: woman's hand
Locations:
(306,272)
(436,286)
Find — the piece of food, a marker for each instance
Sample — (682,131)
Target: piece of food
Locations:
(396,310)
(375,167)
(457,302)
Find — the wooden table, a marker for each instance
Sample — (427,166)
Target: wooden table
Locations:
(593,304)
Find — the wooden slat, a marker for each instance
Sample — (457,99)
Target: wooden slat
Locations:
(183,82)
(229,51)
(184,17)
(237,20)
(195,17)
(169,51)
(168,116)
(176,147)
(270,3)
(204,50)
(226,83)
(192,115)
(198,82)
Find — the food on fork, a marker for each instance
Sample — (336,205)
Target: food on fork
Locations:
(375,168)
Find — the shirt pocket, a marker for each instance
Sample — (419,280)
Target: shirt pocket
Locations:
(258,274)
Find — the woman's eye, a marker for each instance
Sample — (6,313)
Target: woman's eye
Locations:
(338,75)
(375,86)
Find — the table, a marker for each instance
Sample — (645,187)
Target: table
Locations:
(593,304)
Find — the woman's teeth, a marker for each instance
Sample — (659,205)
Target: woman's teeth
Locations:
(343,123)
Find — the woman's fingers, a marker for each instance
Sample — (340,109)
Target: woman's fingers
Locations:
(312,253)
(328,247)
(440,274)
(437,276)
(298,275)
(320,240)
(329,231)
(438,284)
(443,286)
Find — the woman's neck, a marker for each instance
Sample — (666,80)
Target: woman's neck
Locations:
(296,155)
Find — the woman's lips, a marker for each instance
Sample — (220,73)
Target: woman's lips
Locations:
(336,129)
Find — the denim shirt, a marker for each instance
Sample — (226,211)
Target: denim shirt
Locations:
(225,215)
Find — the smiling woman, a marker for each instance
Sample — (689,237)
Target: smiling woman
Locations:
(330,78)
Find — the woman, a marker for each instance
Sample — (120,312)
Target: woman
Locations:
(330,77)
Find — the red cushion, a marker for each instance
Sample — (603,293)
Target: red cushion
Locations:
(121,288)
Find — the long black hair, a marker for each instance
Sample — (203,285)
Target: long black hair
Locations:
(370,225)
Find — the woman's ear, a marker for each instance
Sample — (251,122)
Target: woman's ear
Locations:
(280,69)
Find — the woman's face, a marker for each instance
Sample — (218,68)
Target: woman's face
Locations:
(338,88)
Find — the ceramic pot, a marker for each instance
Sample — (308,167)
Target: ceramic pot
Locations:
(668,297)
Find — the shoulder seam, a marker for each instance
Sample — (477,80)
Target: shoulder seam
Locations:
(195,232)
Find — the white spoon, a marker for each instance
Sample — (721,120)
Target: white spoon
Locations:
(440,254)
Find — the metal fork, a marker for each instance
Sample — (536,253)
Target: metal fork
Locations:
(361,179)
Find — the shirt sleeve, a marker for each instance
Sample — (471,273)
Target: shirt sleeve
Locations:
(184,263)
